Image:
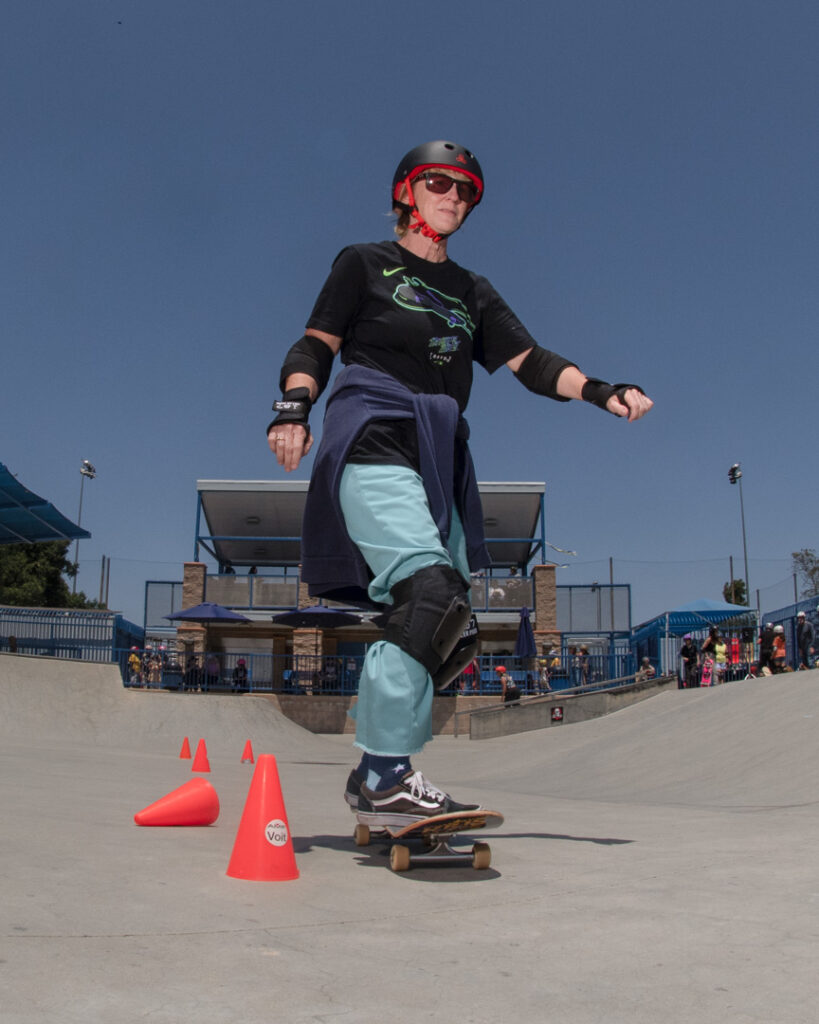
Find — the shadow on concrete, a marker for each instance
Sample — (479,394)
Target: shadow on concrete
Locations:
(564,838)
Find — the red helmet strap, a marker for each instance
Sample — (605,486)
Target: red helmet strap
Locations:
(420,223)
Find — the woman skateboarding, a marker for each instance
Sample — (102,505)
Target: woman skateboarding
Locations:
(393,516)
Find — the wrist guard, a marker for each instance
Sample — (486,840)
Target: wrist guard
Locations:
(311,356)
(598,392)
(293,407)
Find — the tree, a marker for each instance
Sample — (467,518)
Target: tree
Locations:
(806,566)
(33,576)
(735,594)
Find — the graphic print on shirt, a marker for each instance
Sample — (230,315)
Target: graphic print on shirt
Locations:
(441,349)
(419,297)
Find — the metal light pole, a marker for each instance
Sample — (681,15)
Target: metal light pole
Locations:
(86,470)
(735,476)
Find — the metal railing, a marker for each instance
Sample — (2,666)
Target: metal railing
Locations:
(219,672)
(597,687)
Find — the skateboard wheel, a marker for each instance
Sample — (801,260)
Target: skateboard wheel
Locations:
(481,856)
(400,858)
(362,835)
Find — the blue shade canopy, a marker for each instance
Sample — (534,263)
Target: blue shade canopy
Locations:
(705,606)
(26,518)
(694,615)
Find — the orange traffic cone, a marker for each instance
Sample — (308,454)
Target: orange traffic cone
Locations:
(247,753)
(195,803)
(200,760)
(263,850)
(186,748)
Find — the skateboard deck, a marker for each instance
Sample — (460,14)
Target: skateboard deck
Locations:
(434,835)
(707,667)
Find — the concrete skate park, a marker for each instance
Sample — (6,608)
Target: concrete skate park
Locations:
(655,864)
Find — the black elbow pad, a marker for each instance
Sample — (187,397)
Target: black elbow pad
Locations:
(539,372)
(311,356)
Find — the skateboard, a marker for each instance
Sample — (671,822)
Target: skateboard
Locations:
(707,666)
(433,836)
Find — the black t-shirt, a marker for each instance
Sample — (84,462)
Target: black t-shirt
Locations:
(423,323)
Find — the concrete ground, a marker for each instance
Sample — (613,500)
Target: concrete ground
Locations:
(655,865)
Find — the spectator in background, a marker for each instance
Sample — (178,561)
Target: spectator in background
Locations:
(240,675)
(545,676)
(688,655)
(574,664)
(804,641)
(470,677)
(153,667)
(584,662)
(720,658)
(646,671)
(351,674)
(766,644)
(193,674)
(780,651)
(134,668)
(510,691)
(329,675)
(709,644)
(213,671)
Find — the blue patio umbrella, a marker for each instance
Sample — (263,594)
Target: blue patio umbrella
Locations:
(317,616)
(525,642)
(208,612)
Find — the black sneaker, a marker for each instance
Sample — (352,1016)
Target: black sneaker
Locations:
(353,790)
(412,799)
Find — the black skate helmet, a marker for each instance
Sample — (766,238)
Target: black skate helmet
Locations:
(438,154)
(425,156)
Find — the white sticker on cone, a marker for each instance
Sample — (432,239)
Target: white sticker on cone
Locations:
(276,832)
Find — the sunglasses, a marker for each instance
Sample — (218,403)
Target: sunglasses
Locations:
(442,183)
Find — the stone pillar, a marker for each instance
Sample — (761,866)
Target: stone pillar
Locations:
(307,642)
(307,650)
(191,636)
(304,598)
(545,617)
(193,584)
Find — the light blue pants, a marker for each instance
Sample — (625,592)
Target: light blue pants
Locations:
(387,516)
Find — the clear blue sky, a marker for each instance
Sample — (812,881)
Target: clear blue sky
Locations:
(177,176)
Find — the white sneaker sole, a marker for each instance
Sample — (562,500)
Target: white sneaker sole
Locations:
(377,819)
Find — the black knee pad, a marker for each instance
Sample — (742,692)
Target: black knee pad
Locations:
(462,654)
(429,614)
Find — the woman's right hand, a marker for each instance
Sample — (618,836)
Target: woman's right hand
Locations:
(289,442)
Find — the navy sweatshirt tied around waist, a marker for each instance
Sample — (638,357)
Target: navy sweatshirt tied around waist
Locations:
(332,565)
